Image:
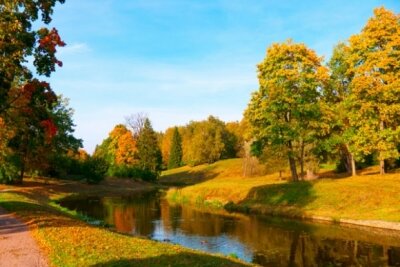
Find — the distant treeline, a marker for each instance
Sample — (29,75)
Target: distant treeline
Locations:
(136,150)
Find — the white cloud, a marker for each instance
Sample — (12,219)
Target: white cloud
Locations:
(73,49)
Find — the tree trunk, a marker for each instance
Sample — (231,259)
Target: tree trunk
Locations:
(353,165)
(19,179)
(382,161)
(292,163)
(382,167)
(346,157)
(302,161)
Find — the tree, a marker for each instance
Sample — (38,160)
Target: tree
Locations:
(136,123)
(337,95)
(285,111)
(175,155)
(119,149)
(374,56)
(18,42)
(26,102)
(204,141)
(236,140)
(166,144)
(32,119)
(55,151)
(148,150)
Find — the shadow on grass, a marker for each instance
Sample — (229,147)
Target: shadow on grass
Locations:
(178,260)
(286,199)
(187,177)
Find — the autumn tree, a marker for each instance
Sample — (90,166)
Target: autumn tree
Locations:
(236,138)
(166,144)
(32,119)
(56,149)
(119,149)
(374,56)
(149,153)
(204,141)
(285,111)
(175,155)
(337,95)
(18,42)
(26,102)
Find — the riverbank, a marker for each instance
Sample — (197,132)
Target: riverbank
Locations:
(368,199)
(69,241)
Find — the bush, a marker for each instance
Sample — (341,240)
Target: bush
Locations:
(9,170)
(94,170)
(123,171)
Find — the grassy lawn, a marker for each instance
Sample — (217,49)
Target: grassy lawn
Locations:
(69,241)
(368,196)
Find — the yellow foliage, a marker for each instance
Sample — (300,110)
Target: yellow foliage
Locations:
(166,145)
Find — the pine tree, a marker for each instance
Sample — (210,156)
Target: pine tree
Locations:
(175,155)
(149,153)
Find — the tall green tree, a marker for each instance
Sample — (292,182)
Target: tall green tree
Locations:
(374,56)
(285,111)
(149,153)
(175,155)
(337,95)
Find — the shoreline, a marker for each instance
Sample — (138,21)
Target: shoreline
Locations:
(62,235)
(263,210)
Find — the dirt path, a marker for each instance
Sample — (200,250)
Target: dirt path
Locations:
(17,247)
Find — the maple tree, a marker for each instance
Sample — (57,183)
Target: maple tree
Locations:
(18,41)
(285,111)
(120,148)
(374,56)
(26,103)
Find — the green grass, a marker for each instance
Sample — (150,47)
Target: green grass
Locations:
(368,196)
(69,241)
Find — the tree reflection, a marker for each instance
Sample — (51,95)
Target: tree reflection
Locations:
(272,241)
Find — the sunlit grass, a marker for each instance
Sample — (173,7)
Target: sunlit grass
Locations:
(69,241)
(368,196)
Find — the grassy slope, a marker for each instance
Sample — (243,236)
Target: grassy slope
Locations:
(71,242)
(366,197)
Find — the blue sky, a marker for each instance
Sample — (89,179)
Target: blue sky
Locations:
(182,60)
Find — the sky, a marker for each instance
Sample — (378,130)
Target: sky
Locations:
(182,60)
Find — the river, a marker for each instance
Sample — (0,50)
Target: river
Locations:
(268,241)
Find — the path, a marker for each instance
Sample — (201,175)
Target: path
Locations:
(17,247)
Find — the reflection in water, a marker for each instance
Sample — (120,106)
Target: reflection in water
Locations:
(263,240)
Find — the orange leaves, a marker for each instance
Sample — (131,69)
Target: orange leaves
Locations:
(126,149)
(49,40)
(121,146)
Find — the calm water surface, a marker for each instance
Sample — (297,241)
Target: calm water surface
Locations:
(264,240)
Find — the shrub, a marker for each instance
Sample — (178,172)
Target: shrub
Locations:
(95,169)
(9,170)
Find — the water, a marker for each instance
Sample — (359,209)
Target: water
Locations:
(264,240)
